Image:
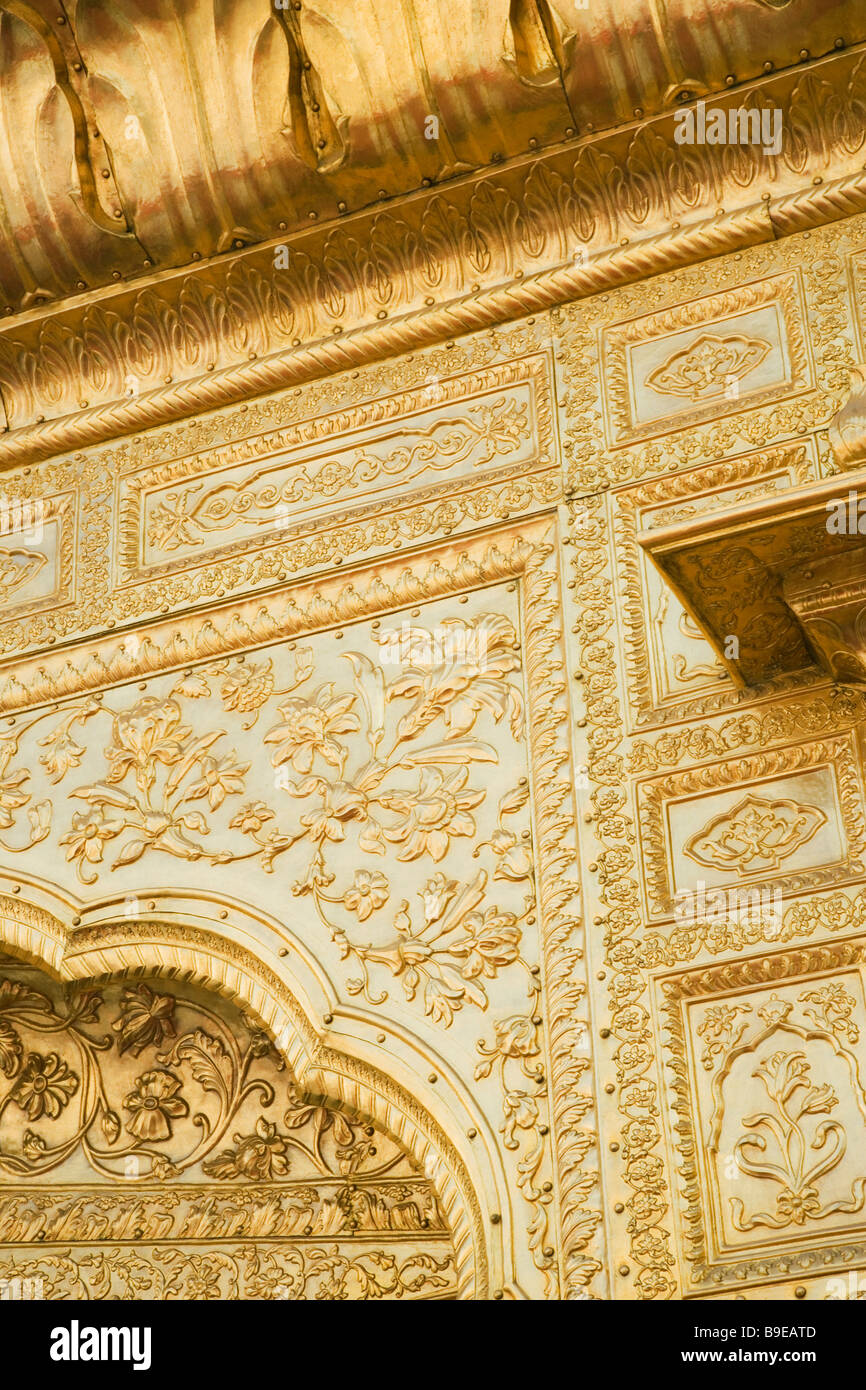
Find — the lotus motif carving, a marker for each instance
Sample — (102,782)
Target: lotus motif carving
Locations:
(755,835)
(708,366)
(17,568)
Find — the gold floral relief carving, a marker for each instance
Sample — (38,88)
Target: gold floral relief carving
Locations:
(757,833)
(17,568)
(709,367)
(770,1112)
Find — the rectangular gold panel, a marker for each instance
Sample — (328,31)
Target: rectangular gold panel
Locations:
(705,359)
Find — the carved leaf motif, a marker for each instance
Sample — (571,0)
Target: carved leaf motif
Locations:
(17,568)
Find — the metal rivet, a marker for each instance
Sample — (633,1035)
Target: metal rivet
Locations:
(495,1218)
(329,1018)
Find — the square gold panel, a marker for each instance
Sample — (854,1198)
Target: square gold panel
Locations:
(789,817)
(672,668)
(37,553)
(769,1115)
(705,359)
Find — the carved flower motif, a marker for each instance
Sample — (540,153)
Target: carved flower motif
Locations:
(703,369)
(467,676)
(251,818)
(515,858)
(516,1037)
(147,734)
(153,1103)
(259,1157)
(494,941)
(310,727)
(513,1037)
(756,833)
(86,839)
(521,1112)
(220,778)
(145,1019)
(33,1146)
(438,810)
(44,1086)
(369,891)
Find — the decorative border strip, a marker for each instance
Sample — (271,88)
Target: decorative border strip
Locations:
(482,309)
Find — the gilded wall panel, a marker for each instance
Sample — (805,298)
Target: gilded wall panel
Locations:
(600,406)
(672,668)
(791,817)
(495,425)
(722,835)
(711,357)
(314,702)
(395,791)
